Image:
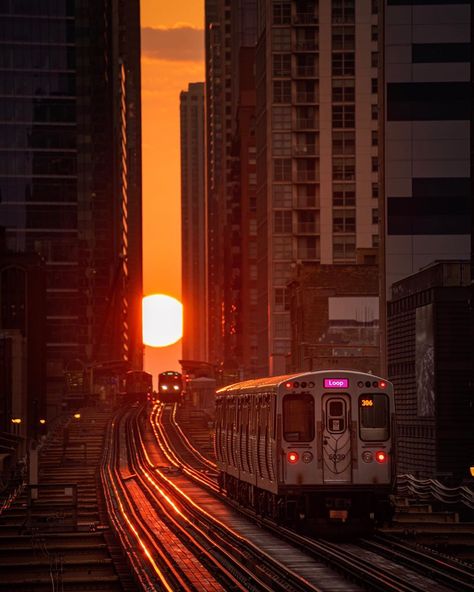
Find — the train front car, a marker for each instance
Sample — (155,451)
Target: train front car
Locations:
(313,449)
(138,386)
(170,386)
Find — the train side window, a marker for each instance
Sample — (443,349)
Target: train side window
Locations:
(298,418)
(374,422)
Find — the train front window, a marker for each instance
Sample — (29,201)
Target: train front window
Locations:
(298,418)
(374,417)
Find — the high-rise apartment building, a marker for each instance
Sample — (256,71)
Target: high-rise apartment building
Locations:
(230,26)
(70,171)
(317,153)
(193,218)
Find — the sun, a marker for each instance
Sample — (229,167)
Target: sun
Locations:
(162,320)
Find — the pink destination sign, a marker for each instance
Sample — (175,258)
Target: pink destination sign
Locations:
(336,383)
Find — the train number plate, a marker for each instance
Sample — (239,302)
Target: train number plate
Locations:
(338,515)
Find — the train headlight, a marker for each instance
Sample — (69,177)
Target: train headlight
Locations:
(367,456)
(164,387)
(293,457)
(380,456)
(307,457)
(176,387)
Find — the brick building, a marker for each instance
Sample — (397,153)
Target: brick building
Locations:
(334,314)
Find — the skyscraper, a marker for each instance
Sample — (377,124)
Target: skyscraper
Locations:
(70,170)
(193,217)
(317,153)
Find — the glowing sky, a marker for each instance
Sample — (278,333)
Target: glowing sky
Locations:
(172,57)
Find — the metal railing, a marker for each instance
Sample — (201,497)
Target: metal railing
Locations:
(431,489)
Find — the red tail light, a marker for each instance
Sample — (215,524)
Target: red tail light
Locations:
(381,456)
(293,457)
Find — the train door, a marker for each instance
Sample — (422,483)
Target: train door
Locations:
(337,464)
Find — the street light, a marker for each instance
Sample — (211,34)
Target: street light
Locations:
(77,416)
(16,420)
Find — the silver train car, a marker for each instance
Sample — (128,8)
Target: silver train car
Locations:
(312,449)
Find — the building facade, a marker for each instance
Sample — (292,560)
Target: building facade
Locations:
(70,170)
(429,352)
(427,127)
(317,150)
(193,227)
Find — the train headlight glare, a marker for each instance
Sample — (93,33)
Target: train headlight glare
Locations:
(293,457)
(164,387)
(176,387)
(307,457)
(380,456)
(367,456)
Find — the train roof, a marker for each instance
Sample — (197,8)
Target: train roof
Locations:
(263,384)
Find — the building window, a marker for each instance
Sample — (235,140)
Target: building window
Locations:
(282,272)
(344,220)
(281,300)
(343,169)
(282,247)
(375,33)
(343,116)
(281,39)
(282,196)
(282,325)
(282,144)
(281,118)
(375,164)
(281,12)
(282,221)
(375,138)
(343,194)
(282,169)
(375,112)
(375,6)
(281,65)
(343,64)
(308,222)
(282,91)
(375,59)
(343,91)
(343,38)
(343,142)
(375,190)
(375,216)
(308,247)
(344,247)
(375,240)
(343,11)
(307,196)
(374,85)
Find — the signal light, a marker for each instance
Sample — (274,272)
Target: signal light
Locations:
(288,385)
(382,384)
(380,456)
(293,457)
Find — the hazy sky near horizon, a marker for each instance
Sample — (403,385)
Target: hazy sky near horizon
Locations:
(172,57)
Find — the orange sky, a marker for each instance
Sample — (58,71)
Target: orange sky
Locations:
(172,56)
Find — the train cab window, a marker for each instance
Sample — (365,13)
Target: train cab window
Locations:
(298,418)
(374,417)
(336,416)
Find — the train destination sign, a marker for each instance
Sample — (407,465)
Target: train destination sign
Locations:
(336,383)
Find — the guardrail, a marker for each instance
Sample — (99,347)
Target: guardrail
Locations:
(431,489)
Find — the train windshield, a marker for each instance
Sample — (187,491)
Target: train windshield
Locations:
(374,417)
(298,418)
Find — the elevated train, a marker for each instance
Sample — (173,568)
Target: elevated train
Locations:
(170,386)
(138,386)
(313,449)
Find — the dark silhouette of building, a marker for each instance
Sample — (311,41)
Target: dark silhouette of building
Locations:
(429,352)
(193,222)
(70,170)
